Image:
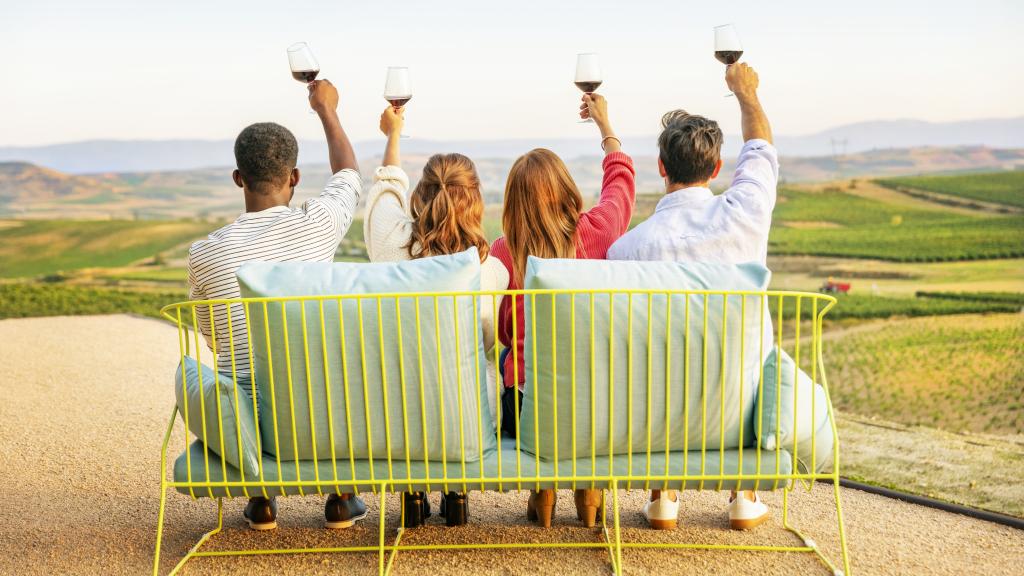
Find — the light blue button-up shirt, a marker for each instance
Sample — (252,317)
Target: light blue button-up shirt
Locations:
(695,225)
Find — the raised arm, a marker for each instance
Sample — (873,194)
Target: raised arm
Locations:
(387,225)
(323,98)
(743,81)
(391,121)
(596,107)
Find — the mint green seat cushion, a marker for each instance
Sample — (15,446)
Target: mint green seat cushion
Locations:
(373,365)
(231,431)
(632,353)
(727,462)
(794,413)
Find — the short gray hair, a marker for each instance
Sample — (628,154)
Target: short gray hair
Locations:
(690,147)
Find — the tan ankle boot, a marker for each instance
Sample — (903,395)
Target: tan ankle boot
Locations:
(588,503)
(541,506)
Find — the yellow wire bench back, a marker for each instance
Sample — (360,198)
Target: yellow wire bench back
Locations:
(624,389)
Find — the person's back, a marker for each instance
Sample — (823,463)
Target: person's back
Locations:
(692,224)
(443,214)
(543,216)
(269,230)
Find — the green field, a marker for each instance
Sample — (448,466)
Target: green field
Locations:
(1010,298)
(171,275)
(37,247)
(30,300)
(996,187)
(837,223)
(954,372)
(867,306)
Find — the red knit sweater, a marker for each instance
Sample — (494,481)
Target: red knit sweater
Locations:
(597,229)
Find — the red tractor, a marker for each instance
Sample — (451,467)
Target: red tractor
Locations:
(833,287)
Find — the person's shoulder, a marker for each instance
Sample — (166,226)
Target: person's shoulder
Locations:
(212,240)
(756,148)
(622,248)
(346,175)
(496,273)
(499,250)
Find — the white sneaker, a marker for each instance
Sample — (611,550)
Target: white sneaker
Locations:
(745,513)
(663,513)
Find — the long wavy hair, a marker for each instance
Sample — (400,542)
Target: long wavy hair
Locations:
(447,209)
(542,209)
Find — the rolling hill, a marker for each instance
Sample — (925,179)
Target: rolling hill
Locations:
(24,183)
(97,156)
(29,191)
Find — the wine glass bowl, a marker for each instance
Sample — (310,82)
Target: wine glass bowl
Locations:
(398,88)
(302,63)
(728,48)
(588,74)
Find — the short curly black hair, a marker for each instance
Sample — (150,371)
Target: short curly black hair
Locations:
(265,154)
(690,147)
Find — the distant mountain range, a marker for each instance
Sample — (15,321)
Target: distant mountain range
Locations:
(30,191)
(100,156)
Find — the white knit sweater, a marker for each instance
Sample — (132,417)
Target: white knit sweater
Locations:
(387,228)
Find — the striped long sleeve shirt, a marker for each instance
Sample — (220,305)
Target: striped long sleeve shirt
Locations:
(309,233)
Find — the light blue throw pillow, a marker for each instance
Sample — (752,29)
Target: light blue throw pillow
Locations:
(198,389)
(398,377)
(636,352)
(794,409)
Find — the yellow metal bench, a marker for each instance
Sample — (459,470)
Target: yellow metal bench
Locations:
(643,452)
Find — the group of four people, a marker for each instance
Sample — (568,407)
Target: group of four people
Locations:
(543,216)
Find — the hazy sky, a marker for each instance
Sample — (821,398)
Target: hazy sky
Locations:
(100,69)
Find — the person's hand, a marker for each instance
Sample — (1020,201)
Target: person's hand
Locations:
(391,121)
(323,96)
(742,80)
(594,106)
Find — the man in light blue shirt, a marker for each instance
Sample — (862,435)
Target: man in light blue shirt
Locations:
(692,224)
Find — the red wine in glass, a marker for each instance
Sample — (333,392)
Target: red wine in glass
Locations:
(305,76)
(399,101)
(589,87)
(728,57)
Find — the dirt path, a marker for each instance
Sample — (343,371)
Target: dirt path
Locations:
(86,400)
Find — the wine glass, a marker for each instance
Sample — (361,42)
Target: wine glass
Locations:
(727,46)
(588,74)
(398,88)
(303,64)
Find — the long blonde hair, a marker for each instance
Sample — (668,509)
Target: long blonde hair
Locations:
(542,208)
(447,209)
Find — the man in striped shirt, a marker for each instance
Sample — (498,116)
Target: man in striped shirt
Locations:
(270,230)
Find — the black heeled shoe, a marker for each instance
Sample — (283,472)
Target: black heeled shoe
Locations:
(415,509)
(455,508)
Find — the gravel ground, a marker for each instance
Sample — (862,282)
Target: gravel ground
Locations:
(85,403)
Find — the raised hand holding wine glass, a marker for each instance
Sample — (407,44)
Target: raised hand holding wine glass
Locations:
(588,75)
(391,122)
(595,109)
(398,88)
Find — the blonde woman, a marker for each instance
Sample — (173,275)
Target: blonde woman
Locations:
(544,217)
(442,215)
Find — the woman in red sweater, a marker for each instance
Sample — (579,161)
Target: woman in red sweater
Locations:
(543,216)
